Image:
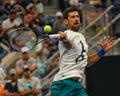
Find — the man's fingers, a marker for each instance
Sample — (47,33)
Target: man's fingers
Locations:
(62,36)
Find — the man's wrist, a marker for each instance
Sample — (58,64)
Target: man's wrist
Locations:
(101,52)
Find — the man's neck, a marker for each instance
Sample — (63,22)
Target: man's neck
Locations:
(13,83)
(28,78)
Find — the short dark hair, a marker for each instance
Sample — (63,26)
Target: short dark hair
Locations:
(12,11)
(68,10)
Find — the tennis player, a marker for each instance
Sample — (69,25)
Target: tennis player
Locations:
(74,57)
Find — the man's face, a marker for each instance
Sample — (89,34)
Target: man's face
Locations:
(26,19)
(27,73)
(13,77)
(25,56)
(12,16)
(73,21)
(90,16)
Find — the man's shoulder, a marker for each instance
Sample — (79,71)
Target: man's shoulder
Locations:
(21,80)
(6,21)
(15,21)
(7,84)
(35,78)
(32,59)
(19,61)
(71,34)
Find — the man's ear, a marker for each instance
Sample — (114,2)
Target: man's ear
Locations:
(65,21)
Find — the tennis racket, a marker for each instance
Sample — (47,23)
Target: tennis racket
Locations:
(25,39)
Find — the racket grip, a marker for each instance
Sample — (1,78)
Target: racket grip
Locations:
(54,36)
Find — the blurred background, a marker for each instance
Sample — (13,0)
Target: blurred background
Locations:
(99,18)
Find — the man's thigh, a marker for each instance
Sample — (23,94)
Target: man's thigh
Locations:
(67,87)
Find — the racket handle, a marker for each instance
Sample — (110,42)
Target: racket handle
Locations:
(54,36)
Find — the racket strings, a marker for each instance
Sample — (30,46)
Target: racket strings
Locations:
(23,38)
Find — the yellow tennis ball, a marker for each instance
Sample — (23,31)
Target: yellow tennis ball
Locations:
(47,28)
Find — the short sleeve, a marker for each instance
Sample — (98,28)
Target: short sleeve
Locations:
(19,64)
(32,61)
(38,83)
(21,86)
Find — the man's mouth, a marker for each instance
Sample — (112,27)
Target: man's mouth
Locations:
(76,24)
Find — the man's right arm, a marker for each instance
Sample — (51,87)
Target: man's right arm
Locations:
(22,89)
(26,92)
(7,93)
(18,68)
(63,37)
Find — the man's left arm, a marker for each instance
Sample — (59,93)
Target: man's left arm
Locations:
(32,64)
(105,47)
(37,88)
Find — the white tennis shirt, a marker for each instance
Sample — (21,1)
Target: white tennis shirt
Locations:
(73,61)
